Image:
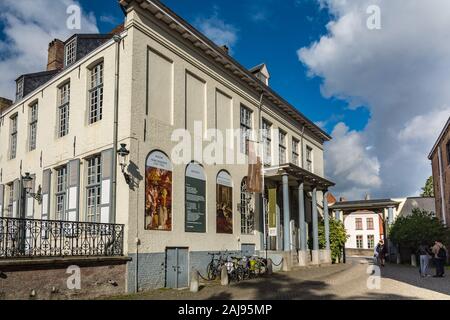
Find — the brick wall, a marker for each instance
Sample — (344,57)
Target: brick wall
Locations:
(47,279)
(446,177)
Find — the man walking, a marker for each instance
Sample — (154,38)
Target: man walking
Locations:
(424,254)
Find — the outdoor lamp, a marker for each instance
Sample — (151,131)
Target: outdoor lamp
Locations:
(123,154)
(27,181)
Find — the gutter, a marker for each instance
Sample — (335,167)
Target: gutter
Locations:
(441,182)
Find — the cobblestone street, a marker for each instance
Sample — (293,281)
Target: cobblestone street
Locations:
(329,282)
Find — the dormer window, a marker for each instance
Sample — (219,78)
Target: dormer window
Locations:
(70,52)
(19,90)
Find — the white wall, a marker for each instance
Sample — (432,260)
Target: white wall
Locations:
(350,226)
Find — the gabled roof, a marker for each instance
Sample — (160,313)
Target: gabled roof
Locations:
(188,32)
(430,156)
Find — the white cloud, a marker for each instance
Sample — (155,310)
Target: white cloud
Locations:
(217,30)
(348,159)
(400,73)
(29,26)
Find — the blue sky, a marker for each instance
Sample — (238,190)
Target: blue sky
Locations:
(267,31)
(382,93)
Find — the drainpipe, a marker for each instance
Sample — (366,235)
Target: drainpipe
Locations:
(302,153)
(441,182)
(118,40)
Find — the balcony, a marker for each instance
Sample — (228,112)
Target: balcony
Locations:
(29,238)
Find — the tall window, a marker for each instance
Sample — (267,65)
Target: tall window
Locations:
(19,90)
(70,53)
(246,127)
(247,210)
(267,140)
(61,189)
(282,147)
(93,195)
(370,241)
(295,152)
(96,94)
(359,242)
(33,126)
(309,159)
(369,224)
(64,110)
(13,137)
(359,224)
(10,202)
(448,152)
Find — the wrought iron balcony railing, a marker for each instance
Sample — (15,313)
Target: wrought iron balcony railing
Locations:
(29,238)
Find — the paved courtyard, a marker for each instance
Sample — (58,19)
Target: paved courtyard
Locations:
(348,281)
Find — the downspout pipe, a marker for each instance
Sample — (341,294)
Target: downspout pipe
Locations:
(441,182)
(118,40)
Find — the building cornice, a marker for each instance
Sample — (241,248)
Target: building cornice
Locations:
(430,156)
(230,65)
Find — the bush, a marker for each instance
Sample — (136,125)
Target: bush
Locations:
(338,238)
(420,227)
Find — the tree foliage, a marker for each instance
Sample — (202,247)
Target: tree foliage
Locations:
(338,237)
(428,190)
(419,227)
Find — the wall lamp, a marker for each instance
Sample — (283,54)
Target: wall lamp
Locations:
(27,181)
(123,154)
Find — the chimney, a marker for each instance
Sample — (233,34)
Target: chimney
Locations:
(225,49)
(342,199)
(55,55)
(118,30)
(367,197)
(4,104)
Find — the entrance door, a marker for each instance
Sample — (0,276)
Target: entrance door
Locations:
(177,268)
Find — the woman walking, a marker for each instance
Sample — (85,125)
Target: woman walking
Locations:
(424,253)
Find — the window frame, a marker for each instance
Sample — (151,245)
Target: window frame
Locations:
(72,47)
(33,125)
(64,110)
(295,151)
(282,147)
(359,242)
(370,223)
(19,89)
(94,187)
(96,94)
(370,241)
(13,133)
(359,222)
(247,218)
(309,159)
(267,141)
(246,125)
(10,204)
(61,187)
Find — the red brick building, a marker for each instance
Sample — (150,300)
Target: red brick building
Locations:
(440,160)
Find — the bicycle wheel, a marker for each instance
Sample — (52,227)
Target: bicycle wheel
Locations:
(211,272)
(239,274)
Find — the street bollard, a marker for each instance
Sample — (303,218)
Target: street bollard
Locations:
(413,260)
(224,281)
(269,267)
(194,281)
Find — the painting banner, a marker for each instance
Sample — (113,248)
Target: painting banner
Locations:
(158,192)
(195,205)
(224,202)
(255,176)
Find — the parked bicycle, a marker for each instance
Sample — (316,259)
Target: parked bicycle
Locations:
(215,266)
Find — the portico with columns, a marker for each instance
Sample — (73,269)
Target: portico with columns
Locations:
(301,203)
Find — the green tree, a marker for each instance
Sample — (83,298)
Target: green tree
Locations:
(419,227)
(338,238)
(428,190)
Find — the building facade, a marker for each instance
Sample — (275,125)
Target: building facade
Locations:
(144,88)
(440,162)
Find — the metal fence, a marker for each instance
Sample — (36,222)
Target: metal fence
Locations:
(29,238)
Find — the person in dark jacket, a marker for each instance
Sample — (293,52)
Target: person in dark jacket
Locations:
(380,253)
(424,254)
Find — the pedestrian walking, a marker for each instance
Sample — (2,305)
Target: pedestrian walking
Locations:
(440,256)
(380,253)
(424,254)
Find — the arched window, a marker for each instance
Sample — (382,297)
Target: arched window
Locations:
(195,198)
(247,209)
(158,192)
(224,203)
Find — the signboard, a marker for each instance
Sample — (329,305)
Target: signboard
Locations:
(158,192)
(195,199)
(224,203)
